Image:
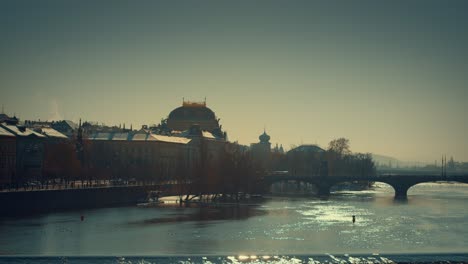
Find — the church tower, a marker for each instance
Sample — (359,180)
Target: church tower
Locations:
(261,151)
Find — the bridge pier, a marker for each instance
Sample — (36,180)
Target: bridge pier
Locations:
(401,192)
(323,189)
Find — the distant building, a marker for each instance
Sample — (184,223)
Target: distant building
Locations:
(307,160)
(194,113)
(149,156)
(52,134)
(279,149)
(59,154)
(143,155)
(65,127)
(7,156)
(5,118)
(29,152)
(261,151)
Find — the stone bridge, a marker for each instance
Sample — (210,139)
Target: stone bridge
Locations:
(400,183)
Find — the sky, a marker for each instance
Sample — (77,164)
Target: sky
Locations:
(391,76)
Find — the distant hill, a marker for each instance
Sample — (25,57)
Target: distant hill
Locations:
(381,160)
(385,160)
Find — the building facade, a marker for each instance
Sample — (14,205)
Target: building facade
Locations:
(29,153)
(7,157)
(261,152)
(307,160)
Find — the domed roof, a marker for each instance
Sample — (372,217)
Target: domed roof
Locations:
(187,112)
(264,137)
(308,149)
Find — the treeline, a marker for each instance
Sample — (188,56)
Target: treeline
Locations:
(336,160)
(227,176)
(219,168)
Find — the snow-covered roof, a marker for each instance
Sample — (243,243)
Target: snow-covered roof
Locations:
(138,137)
(207,134)
(180,140)
(5,133)
(23,132)
(120,136)
(101,136)
(72,124)
(50,132)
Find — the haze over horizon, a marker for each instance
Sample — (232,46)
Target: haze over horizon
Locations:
(390,76)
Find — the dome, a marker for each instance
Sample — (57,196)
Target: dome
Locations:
(308,148)
(264,137)
(192,113)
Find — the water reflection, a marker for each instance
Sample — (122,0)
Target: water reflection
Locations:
(260,259)
(202,214)
(433,219)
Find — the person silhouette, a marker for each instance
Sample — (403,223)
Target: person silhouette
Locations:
(354,219)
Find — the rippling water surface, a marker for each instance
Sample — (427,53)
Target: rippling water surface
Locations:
(433,220)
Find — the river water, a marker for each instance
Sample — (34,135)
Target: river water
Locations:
(432,221)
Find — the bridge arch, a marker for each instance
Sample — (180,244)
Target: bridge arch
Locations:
(336,184)
(432,182)
(400,183)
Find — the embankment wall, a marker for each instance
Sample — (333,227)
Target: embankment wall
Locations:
(31,202)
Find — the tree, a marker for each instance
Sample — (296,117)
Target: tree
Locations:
(340,146)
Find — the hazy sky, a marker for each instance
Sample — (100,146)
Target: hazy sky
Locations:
(389,75)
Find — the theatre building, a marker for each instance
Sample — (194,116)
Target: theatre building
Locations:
(192,135)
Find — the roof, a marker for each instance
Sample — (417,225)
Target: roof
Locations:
(192,113)
(121,136)
(186,133)
(21,133)
(169,139)
(50,132)
(69,123)
(101,136)
(138,137)
(207,134)
(308,148)
(5,133)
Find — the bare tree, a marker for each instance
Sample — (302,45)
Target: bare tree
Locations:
(340,146)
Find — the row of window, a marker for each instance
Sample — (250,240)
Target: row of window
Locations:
(7,148)
(7,161)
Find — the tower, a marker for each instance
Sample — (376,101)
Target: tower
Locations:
(261,151)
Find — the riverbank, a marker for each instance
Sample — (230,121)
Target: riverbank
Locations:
(43,201)
(324,258)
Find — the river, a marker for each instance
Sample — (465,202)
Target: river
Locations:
(432,221)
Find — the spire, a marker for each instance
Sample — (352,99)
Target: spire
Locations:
(79,135)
